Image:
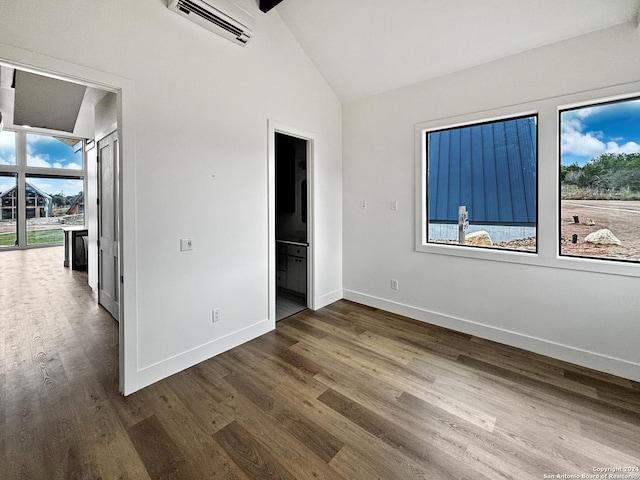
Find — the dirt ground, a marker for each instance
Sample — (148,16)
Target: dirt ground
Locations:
(621,217)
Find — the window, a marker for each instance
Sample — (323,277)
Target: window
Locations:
(7,148)
(481,184)
(46,212)
(600,181)
(54,152)
(41,187)
(8,207)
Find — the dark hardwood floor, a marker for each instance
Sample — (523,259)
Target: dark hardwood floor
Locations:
(347,392)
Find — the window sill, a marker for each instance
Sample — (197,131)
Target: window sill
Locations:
(591,265)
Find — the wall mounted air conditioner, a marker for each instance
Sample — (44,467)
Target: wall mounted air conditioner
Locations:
(220,16)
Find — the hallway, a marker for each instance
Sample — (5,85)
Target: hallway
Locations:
(58,365)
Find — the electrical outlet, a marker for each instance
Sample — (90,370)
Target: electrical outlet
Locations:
(216,316)
(394,284)
(363,204)
(186,244)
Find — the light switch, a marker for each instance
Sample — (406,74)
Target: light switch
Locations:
(186,244)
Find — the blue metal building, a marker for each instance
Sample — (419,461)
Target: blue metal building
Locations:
(489,168)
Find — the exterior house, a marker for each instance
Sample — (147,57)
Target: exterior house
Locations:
(77,206)
(39,203)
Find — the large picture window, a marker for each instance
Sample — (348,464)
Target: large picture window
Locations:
(481,184)
(46,212)
(600,181)
(41,187)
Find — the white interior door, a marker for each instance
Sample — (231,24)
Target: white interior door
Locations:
(108,234)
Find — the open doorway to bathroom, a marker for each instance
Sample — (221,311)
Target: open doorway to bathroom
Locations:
(292,231)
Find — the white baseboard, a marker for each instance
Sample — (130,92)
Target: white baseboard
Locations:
(567,353)
(328,299)
(182,361)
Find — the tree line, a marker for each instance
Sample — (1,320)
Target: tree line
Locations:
(612,174)
(61,200)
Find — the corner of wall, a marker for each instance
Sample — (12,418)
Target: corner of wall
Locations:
(177,363)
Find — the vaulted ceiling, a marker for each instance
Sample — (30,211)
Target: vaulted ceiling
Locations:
(365,47)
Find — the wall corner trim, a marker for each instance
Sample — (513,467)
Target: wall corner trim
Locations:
(329,298)
(182,361)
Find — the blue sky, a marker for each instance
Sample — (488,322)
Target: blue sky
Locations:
(50,152)
(42,151)
(587,133)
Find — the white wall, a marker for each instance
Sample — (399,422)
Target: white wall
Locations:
(106,116)
(546,306)
(106,120)
(198,168)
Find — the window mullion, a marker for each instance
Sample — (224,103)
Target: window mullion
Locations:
(21,163)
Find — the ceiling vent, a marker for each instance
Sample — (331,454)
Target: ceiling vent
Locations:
(219,16)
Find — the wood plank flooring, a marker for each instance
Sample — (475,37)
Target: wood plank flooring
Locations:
(348,392)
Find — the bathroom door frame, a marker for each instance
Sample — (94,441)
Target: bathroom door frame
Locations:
(310,138)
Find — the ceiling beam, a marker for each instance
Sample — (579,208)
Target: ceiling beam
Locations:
(266,5)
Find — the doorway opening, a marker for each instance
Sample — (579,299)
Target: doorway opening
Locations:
(291,214)
(291,224)
(52,124)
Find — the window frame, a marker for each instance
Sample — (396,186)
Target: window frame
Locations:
(425,154)
(23,171)
(548,182)
(567,108)
(421,241)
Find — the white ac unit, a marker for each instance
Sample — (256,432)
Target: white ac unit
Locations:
(220,16)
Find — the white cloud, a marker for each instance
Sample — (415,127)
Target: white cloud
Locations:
(44,161)
(576,141)
(629,147)
(33,138)
(38,161)
(38,142)
(582,144)
(585,112)
(11,160)
(7,140)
